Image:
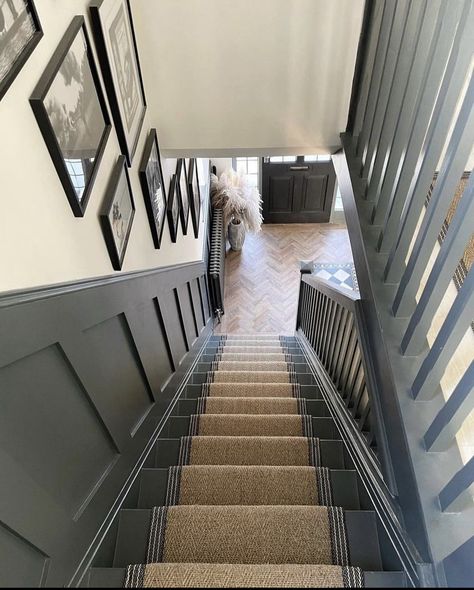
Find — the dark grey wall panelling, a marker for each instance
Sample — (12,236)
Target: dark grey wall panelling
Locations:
(87,371)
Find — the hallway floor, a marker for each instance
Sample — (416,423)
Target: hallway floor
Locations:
(262,281)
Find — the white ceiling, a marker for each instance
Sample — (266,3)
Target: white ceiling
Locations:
(262,77)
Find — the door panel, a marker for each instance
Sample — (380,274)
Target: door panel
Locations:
(314,193)
(297,192)
(281,193)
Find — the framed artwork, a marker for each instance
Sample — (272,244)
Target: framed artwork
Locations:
(173,209)
(117,213)
(194,195)
(153,187)
(118,56)
(182,182)
(20,32)
(70,109)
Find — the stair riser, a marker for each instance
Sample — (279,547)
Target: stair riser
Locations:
(166,453)
(300,368)
(186,407)
(209,358)
(178,426)
(308,392)
(115,578)
(302,378)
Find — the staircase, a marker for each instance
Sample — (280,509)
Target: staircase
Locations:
(250,485)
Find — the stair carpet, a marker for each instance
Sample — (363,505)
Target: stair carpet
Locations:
(252,501)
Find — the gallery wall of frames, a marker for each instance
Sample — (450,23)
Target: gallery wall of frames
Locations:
(84,184)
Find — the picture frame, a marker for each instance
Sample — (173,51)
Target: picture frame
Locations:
(153,187)
(183,193)
(20,33)
(117,50)
(117,213)
(194,195)
(173,209)
(71,112)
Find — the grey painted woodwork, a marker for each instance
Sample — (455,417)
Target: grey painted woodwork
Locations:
(452,249)
(397,128)
(87,371)
(402,10)
(457,495)
(450,418)
(383,36)
(396,188)
(454,164)
(411,40)
(420,99)
(421,170)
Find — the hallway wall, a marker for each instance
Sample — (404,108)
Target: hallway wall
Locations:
(41,240)
(267,77)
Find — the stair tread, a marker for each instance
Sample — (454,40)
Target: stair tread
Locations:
(114,577)
(247,534)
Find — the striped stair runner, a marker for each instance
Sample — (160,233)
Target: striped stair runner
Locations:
(249,504)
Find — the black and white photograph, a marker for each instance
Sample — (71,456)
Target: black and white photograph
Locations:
(118,56)
(71,112)
(173,209)
(20,32)
(117,213)
(153,188)
(182,168)
(194,195)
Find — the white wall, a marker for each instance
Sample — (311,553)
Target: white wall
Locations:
(249,77)
(41,242)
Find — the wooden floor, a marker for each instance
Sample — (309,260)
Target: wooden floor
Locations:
(262,281)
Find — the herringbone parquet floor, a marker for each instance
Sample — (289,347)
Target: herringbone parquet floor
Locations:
(262,281)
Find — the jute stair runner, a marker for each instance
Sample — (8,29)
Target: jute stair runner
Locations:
(222,376)
(251,485)
(251,405)
(251,389)
(250,425)
(249,450)
(216,575)
(251,366)
(250,349)
(248,504)
(253,357)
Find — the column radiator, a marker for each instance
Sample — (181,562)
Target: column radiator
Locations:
(217,263)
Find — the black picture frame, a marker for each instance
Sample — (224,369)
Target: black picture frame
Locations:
(183,193)
(105,18)
(8,41)
(151,179)
(173,209)
(194,195)
(112,214)
(88,161)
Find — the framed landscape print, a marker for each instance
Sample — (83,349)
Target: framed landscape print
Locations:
(182,182)
(194,195)
(153,187)
(117,213)
(173,209)
(20,32)
(70,109)
(118,56)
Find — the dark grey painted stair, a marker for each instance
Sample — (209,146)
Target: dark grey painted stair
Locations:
(127,540)
(361,527)
(114,577)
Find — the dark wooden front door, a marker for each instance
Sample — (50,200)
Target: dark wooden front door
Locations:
(297,192)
